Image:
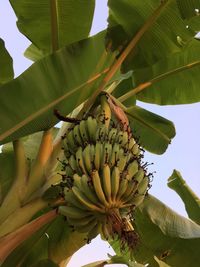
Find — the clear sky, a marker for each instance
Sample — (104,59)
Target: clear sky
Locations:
(182,154)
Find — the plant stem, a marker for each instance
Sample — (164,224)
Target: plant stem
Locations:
(9,242)
(54,25)
(13,198)
(116,65)
(160,77)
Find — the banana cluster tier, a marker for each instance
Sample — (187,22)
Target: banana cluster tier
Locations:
(103,178)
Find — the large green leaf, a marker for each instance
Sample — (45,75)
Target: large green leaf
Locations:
(173,80)
(62,80)
(71,21)
(6,64)
(158,41)
(153,131)
(188,8)
(164,234)
(190,199)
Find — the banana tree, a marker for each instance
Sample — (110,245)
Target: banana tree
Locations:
(61,187)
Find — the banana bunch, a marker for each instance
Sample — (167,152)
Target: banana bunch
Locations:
(104,179)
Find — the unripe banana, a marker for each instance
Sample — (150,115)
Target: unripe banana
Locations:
(84,200)
(139,175)
(87,156)
(122,187)
(87,227)
(135,149)
(115,180)
(98,155)
(105,110)
(102,133)
(92,128)
(77,180)
(106,181)
(132,168)
(94,231)
(77,136)
(143,186)
(115,155)
(72,200)
(104,178)
(131,143)
(88,190)
(106,154)
(73,212)
(70,142)
(84,132)
(112,135)
(84,221)
(123,139)
(80,161)
(98,187)
(122,159)
(73,164)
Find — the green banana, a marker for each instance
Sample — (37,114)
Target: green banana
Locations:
(98,187)
(139,176)
(98,153)
(94,231)
(122,187)
(114,155)
(106,153)
(112,135)
(72,212)
(105,110)
(106,181)
(69,142)
(115,181)
(143,186)
(77,180)
(135,149)
(72,200)
(73,164)
(87,156)
(89,192)
(132,168)
(84,200)
(92,128)
(82,222)
(77,135)
(122,159)
(123,139)
(80,161)
(131,143)
(86,228)
(84,132)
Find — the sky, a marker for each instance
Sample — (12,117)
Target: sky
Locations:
(182,154)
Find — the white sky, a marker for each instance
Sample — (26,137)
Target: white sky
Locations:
(182,154)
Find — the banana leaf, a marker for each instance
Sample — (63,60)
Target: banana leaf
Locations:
(158,41)
(188,8)
(6,64)
(154,132)
(62,80)
(190,199)
(49,23)
(173,80)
